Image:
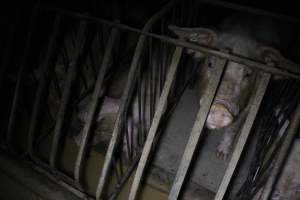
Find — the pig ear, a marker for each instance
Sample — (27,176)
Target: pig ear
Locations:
(204,36)
(269,54)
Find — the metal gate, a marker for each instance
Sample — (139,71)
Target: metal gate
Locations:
(79,57)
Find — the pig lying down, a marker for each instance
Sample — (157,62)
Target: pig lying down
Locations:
(105,120)
(231,104)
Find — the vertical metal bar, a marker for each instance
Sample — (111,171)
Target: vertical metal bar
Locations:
(292,131)
(20,78)
(124,179)
(155,123)
(245,132)
(197,129)
(93,104)
(140,101)
(127,138)
(44,79)
(71,75)
(128,91)
(118,124)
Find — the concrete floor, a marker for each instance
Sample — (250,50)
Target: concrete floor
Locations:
(19,181)
(203,182)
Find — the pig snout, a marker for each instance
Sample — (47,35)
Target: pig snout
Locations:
(219,117)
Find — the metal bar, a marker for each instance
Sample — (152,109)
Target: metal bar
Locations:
(44,79)
(250,9)
(283,154)
(21,75)
(127,95)
(245,132)
(71,74)
(197,129)
(155,123)
(93,104)
(58,174)
(279,70)
(124,179)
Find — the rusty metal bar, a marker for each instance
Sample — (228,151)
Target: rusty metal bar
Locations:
(125,100)
(245,132)
(279,70)
(197,129)
(20,77)
(94,102)
(292,131)
(155,123)
(44,79)
(71,75)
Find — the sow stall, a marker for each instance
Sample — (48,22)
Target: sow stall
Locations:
(72,61)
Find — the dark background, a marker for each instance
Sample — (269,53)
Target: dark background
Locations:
(132,11)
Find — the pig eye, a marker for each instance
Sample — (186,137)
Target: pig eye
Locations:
(193,37)
(248,73)
(211,62)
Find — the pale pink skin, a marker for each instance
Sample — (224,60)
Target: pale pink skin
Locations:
(218,118)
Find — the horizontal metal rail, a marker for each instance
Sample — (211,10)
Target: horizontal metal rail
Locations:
(155,123)
(260,65)
(245,132)
(196,132)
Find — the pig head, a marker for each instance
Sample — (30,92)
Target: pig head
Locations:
(232,98)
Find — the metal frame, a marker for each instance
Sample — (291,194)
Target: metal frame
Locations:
(196,132)
(260,65)
(71,74)
(155,123)
(197,129)
(128,92)
(94,101)
(245,132)
(291,133)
